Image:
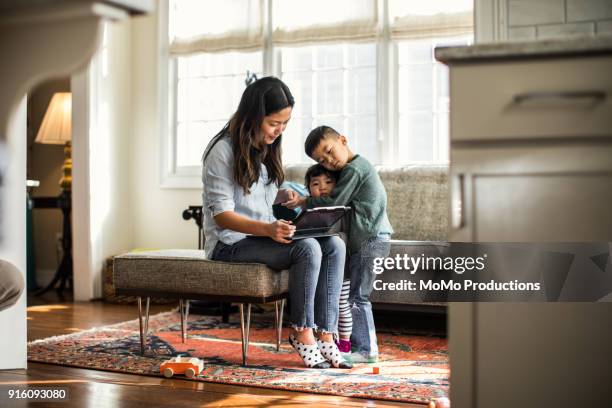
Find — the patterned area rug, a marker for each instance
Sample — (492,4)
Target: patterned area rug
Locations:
(411,368)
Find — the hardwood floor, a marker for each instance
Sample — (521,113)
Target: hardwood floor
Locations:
(90,388)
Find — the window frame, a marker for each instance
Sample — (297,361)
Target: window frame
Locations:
(387,95)
(316,71)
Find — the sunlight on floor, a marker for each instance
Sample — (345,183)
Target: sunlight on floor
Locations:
(47,308)
(43,382)
(251,400)
(212,339)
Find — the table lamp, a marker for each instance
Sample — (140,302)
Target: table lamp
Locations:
(56,128)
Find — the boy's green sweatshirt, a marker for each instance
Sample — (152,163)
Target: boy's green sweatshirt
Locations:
(360,188)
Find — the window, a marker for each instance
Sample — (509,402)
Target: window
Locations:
(333,85)
(423,102)
(208,86)
(364,67)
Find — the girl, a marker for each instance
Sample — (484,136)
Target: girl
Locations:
(320,183)
(242,170)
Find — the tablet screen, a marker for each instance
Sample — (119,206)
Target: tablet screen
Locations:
(320,217)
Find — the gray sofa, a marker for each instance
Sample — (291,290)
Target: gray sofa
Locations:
(418,209)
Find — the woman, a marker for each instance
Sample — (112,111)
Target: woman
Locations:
(242,171)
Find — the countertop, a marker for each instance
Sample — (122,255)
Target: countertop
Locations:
(575,46)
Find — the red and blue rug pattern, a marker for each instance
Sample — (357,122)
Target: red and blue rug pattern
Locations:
(412,368)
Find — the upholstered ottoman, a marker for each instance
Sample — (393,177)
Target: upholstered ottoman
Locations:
(187,274)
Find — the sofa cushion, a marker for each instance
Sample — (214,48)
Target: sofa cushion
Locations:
(417,201)
(182,271)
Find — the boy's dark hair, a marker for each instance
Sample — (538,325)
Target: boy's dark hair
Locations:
(316,135)
(318,170)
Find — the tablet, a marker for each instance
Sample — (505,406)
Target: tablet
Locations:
(319,218)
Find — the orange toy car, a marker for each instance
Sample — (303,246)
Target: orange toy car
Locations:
(190,366)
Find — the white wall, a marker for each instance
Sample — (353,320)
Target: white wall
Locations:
(109,150)
(13,243)
(83,269)
(125,205)
(156,211)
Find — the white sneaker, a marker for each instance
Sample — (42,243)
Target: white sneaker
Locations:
(357,358)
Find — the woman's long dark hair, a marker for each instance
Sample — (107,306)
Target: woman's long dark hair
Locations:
(263,97)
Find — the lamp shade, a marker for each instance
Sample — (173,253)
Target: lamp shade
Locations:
(56,126)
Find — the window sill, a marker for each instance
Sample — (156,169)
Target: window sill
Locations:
(175,181)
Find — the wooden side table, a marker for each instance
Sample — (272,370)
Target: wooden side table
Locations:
(63,275)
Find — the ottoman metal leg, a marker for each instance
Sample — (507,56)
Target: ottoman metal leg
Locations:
(276,320)
(141,330)
(279,305)
(183,319)
(244,330)
(146,325)
(186,311)
(144,329)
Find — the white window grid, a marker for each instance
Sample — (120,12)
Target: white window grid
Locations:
(387,114)
(342,118)
(438,106)
(209,121)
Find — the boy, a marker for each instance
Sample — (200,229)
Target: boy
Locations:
(320,182)
(369,230)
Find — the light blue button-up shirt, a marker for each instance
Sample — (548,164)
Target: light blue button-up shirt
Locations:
(221,193)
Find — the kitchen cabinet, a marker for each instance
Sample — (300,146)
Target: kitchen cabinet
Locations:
(531,161)
(531,141)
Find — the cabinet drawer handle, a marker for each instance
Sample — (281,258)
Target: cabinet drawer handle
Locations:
(595,96)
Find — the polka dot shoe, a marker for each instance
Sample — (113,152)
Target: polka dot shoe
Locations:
(332,354)
(310,353)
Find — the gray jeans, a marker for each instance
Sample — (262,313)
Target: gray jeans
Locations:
(11,284)
(361,268)
(315,266)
